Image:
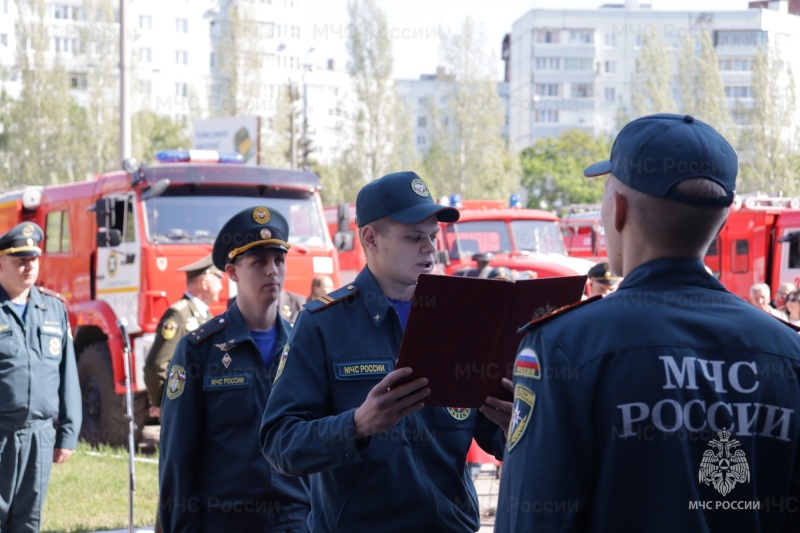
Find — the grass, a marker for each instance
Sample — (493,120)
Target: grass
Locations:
(90,491)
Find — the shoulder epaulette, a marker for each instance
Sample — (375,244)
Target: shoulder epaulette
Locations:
(537,322)
(331,298)
(180,304)
(206,330)
(52,293)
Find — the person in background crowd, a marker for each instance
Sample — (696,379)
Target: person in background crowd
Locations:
(793,307)
(602,281)
(759,297)
(784,289)
(203,285)
(38,382)
(320,286)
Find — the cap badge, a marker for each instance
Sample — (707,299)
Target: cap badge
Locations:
(261,215)
(419,187)
(226,360)
(27,230)
(265,233)
(29,241)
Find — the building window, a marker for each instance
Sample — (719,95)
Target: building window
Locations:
(145,55)
(5,6)
(609,94)
(610,67)
(736,65)
(422,122)
(77,80)
(421,139)
(548,63)
(582,90)
(578,63)
(739,37)
(145,22)
(146,87)
(181,89)
(611,40)
(4,39)
(182,25)
(546,115)
(581,37)
(545,36)
(266,30)
(547,89)
(181,57)
(296,32)
(738,91)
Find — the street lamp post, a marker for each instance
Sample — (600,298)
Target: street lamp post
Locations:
(124,88)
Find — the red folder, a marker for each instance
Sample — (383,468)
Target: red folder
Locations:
(462,332)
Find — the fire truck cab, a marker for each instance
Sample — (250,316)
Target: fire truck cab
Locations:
(760,243)
(583,231)
(113,245)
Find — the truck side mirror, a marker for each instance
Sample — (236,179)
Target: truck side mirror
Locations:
(343,240)
(108,237)
(343,217)
(104,213)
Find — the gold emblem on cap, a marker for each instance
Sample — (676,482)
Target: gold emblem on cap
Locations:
(27,230)
(29,241)
(419,187)
(265,233)
(261,215)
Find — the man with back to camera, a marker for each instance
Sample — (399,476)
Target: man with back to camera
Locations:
(675,407)
(38,382)
(212,476)
(381,459)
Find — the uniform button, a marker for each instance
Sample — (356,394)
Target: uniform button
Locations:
(221,320)
(347,455)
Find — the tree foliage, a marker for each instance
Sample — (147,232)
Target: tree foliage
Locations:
(653,80)
(468,153)
(552,169)
(153,132)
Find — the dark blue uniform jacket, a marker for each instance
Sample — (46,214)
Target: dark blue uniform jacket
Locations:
(211,469)
(670,405)
(410,478)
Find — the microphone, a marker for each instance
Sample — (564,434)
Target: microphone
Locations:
(122,323)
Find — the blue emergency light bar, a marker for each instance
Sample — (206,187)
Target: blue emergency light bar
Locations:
(198,156)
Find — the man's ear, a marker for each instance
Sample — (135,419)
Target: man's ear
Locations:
(369,238)
(230,270)
(620,211)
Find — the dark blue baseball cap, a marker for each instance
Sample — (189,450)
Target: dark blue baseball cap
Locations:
(250,231)
(654,153)
(401,196)
(22,240)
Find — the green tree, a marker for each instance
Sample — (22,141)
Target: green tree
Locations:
(468,153)
(652,82)
(768,153)
(370,50)
(552,169)
(38,123)
(152,132)
(701,88)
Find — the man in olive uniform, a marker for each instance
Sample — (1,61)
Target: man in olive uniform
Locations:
(212,475)
(203,285)
(38,382)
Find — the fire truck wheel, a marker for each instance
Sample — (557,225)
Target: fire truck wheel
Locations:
(104,420)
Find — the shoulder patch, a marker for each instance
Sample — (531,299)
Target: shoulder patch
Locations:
(533,324)
(331,298)
(52,293)
(180,304)
(206,330)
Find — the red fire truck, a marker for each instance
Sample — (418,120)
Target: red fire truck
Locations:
(112,246)
(583,231)
(524,240)
(760,243)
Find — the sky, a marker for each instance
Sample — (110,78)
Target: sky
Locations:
(414,25)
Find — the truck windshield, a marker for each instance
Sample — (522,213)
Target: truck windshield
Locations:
(192,215)
(464,239)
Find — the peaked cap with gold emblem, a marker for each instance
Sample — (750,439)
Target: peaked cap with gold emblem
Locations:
(22,240)
(249,231)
